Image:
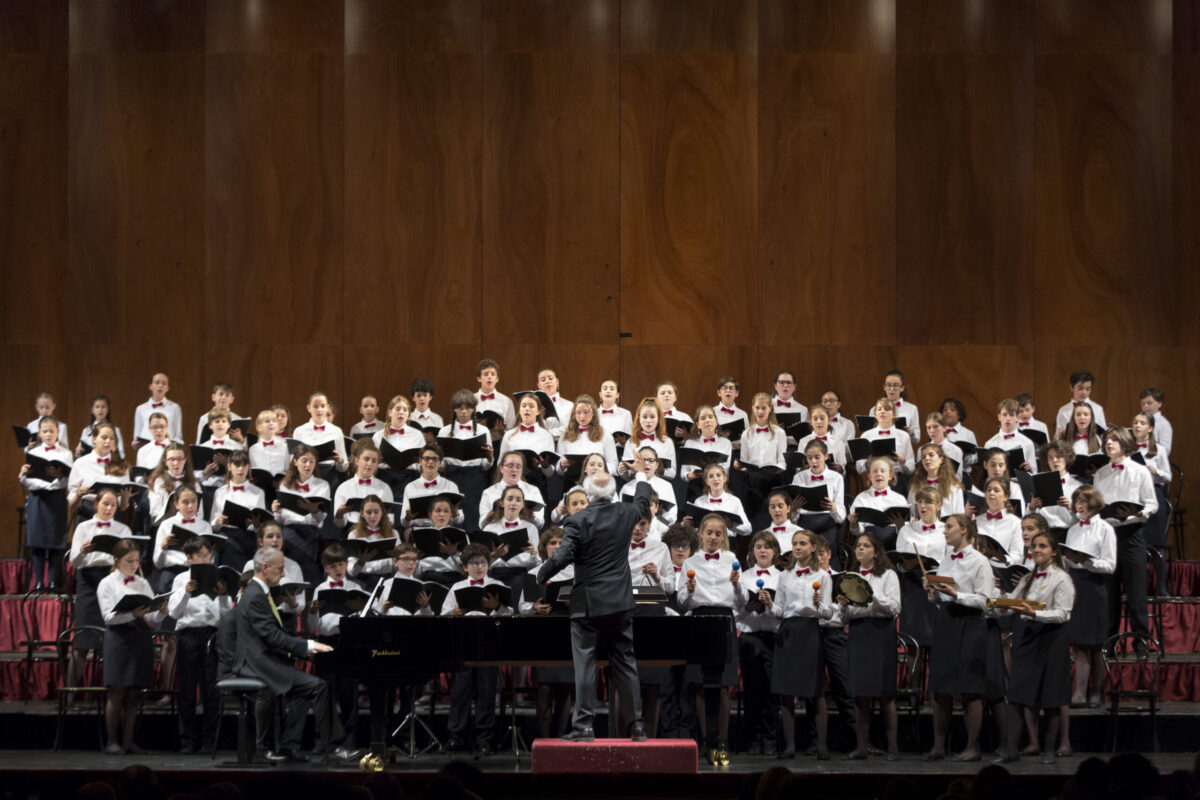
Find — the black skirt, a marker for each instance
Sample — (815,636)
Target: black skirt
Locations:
(1041,672)
(129,655)
(717,675)
(871,653)
(959,662)
(995,675)
(87,607)
(46,519)
(798,668)
(1088,626)
(917,611)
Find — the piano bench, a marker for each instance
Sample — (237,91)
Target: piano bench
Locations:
(246,690)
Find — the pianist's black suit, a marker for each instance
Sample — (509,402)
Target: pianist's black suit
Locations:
(262,652)
(596,540)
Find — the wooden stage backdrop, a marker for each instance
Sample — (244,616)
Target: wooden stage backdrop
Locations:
(290,194)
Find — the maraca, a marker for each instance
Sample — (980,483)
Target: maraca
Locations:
(816,585)
(759,583)
(691,573)
(736,566)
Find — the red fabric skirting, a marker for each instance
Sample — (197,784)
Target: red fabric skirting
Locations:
(43,678)
(1185,579)
(45,617)
(1180,627)
(13,575)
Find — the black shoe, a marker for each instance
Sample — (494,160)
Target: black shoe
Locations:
(786,753)
(187,750)
(454,745)
(579,735)
(637,732)
(285,756)
(484,750)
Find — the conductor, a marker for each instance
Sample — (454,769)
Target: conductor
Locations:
(597,540)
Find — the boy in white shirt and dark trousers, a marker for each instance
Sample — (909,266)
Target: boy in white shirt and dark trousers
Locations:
(196,619)
(328,628)
(477,683)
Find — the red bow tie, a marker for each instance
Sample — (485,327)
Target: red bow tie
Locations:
(706,440)
(156,405)
(103,524)
(783,403)
(866,572)
(300,487)
(645,436)
(395,430)
(677,569)
(822,438)
(491,396)
(268,444)
(606,411)
(318,427)
(763,572)
(164,444)
(1085,522)
(364,481)
(1118,466)
(1063,481)
(465,427)
(899,403)
(800,573)
(177,480)
(951,430)
(956,555)
(238,488)
(885,433)
(336,584)
(282,433)
(368,424)
(371,531)
(834,419)
(1141,445)
(511,524)
(714,499)
(527,429)
(51,449)
(820,478)
(1009,435)
(881,494)
(725,410)
(584,428)
(997,515)
(218,441)
(670,412)
(779,529)
(1080,436)
(477,582)
(430,484)
(130,580)
(191,521)
(637,545)
(763,430)
(711,556)
(1037,575)
(931,481)
(102,460)
(929,527)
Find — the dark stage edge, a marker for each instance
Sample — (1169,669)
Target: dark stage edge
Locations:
(54,775)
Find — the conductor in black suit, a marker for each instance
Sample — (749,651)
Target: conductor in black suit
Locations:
(264,651)
(596,540)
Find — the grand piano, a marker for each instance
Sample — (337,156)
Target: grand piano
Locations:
(384,651)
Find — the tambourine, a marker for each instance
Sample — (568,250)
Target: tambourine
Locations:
(854,586)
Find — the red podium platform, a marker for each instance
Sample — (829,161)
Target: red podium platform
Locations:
(615,756)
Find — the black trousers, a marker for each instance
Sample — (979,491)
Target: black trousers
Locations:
(616,631)
(480,683)
(756,652)
(308,692)
(197,669)
(1131,571)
